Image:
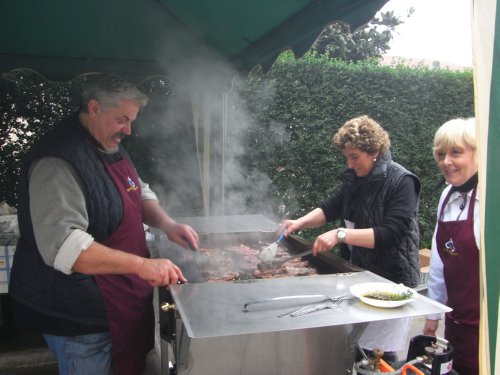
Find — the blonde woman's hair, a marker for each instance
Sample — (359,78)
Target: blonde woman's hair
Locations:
(454,133)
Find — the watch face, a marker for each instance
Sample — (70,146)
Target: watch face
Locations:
(341,234)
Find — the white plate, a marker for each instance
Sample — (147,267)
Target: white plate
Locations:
(364,289)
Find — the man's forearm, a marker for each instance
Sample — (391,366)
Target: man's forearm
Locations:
(98,259)
(154,215)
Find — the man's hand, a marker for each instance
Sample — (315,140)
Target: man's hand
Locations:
(159,272)
(183,235)
(98,259)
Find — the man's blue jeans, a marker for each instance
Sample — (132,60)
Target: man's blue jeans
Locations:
(82,355)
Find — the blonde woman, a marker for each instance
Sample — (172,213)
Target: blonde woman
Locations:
(454,269)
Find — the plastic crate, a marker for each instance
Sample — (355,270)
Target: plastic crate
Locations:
(8,243)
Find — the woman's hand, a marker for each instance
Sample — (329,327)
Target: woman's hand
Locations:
(325,242)
(313,219)
(430,327)
(288,227)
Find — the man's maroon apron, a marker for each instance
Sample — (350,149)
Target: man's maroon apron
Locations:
(460,255)
(128,299)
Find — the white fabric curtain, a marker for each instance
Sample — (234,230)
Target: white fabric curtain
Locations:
(484,51)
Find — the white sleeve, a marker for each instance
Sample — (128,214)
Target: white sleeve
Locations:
(477,223)
(436,287)
(58,212)
(146,192)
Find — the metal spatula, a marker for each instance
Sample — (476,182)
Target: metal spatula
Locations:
(268,253)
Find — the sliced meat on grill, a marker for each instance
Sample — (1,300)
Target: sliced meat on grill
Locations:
(239,262)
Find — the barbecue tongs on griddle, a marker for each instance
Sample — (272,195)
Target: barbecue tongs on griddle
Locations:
(326,302)
(323,298)
(330,303)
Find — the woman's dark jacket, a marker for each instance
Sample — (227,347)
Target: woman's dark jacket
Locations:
(45,299)
(387,201)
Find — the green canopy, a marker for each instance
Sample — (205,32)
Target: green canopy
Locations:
(61,39)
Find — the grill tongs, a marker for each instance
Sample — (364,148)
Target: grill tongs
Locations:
(331,303)
(324,303)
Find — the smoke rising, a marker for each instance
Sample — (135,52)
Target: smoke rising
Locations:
(193,138)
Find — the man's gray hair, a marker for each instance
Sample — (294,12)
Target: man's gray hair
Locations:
(108,90)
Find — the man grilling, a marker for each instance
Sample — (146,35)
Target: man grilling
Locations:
(82,275)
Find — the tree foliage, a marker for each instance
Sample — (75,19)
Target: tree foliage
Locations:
(369,41)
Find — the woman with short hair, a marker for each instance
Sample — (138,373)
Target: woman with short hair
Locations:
(454,267)
(378,204)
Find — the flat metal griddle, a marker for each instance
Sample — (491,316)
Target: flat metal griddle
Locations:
(216,309)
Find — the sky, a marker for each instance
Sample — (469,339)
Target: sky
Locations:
(438,30)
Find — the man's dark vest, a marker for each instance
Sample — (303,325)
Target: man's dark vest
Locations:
(400,263)
(42,291)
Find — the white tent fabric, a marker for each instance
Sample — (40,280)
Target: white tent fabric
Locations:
(485,51)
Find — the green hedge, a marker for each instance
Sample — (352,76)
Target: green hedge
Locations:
(298,106)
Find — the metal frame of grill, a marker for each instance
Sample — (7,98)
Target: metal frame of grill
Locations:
(270,346)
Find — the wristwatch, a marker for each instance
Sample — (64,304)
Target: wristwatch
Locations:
(341,234)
